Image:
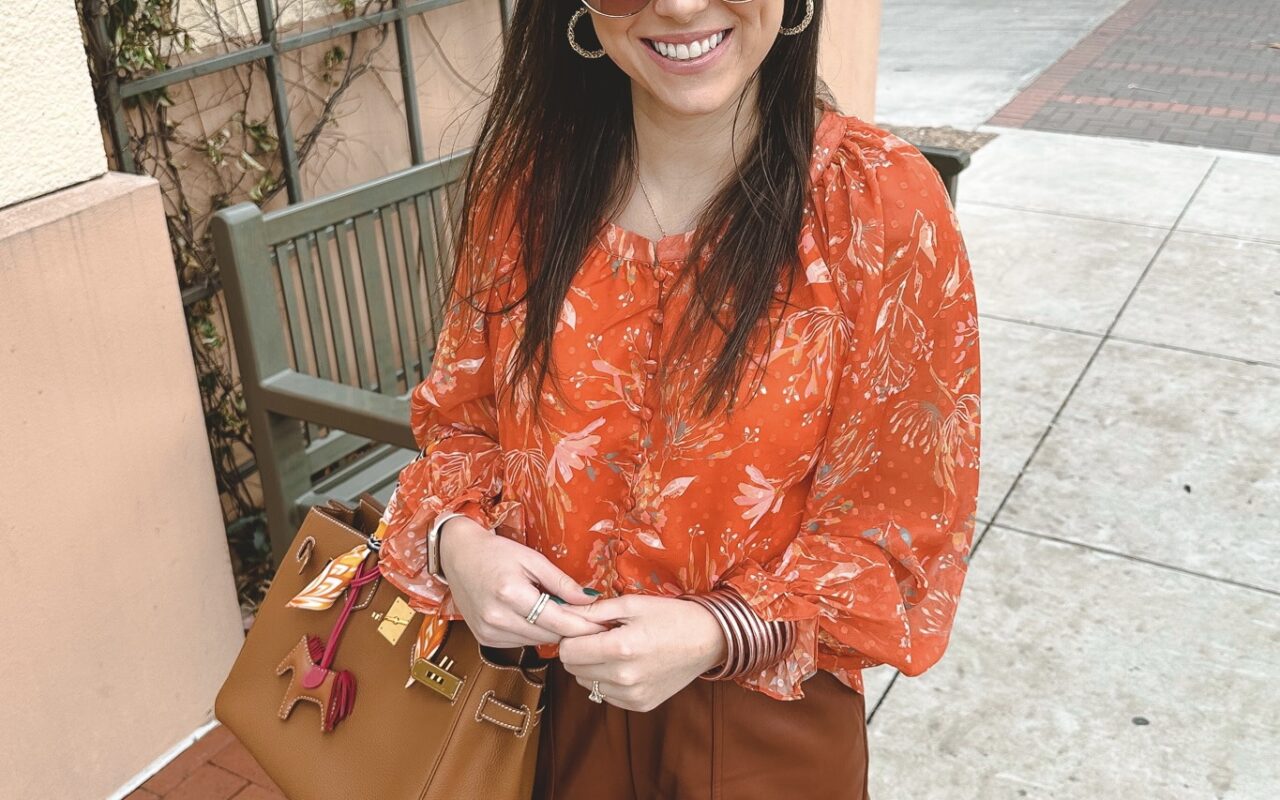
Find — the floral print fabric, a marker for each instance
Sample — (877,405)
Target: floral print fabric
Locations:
(841,495)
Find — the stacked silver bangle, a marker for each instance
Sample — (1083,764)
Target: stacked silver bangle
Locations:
(753,644)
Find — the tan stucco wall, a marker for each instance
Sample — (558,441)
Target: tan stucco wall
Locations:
(211,22)
(120,617)
(850,50)
(49,135)
(119,609)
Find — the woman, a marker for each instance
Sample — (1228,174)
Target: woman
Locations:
(763,458)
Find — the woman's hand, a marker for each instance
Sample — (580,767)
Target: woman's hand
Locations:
(661,645)
(496,581)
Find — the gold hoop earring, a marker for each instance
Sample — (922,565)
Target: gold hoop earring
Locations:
(804,23)
(573,40)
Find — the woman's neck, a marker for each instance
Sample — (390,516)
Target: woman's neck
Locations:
(683,160)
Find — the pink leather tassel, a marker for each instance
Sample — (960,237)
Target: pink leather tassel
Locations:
(343,700)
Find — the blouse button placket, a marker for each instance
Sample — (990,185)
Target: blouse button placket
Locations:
(661,273)
(650,397)
(651,394)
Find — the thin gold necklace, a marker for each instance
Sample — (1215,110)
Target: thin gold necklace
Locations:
(649,203)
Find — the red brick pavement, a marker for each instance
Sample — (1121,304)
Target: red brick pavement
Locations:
(215,767)
(1196,72)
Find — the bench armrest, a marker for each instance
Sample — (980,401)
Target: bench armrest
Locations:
(336,405)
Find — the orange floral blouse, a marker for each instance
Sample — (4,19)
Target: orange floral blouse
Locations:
(840,496)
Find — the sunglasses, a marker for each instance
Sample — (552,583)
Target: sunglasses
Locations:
(625,8)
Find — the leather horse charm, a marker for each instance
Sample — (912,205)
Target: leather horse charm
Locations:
(334,692)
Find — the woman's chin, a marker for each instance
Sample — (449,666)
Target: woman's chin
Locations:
(692,100)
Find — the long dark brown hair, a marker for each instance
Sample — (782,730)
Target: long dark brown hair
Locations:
(563,124)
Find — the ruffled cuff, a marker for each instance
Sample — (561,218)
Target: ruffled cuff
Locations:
(782,679)
(403,556)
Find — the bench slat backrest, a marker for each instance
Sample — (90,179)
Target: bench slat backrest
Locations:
(345,288)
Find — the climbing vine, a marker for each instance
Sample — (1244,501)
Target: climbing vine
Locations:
(207,158)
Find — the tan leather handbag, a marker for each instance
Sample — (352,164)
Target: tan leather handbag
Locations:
(331,707)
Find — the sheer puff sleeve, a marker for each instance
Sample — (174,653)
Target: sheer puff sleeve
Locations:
(454,420)
(875,571)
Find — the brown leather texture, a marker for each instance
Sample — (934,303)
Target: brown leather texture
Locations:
(712,740)
(398,743)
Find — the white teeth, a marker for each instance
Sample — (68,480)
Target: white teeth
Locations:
(685,52)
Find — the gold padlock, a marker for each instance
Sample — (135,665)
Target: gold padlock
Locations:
(437,676)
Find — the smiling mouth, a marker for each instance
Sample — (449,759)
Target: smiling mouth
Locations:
(690,51)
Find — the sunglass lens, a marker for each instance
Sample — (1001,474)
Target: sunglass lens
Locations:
(617,8)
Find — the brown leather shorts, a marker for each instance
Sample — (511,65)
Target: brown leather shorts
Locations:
(712,740)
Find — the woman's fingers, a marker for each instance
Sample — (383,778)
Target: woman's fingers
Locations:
(523,631)
(514,602)
(553,617)
(534,633)
(594,650)
(505,611)
(566,623)
(614,694)
(555,580)
(608,609)
(589,672)
(552,622)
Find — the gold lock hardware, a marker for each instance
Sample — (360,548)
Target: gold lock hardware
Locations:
(437,676)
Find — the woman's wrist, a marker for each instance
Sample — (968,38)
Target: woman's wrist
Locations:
(717,647)
(435,566)
(452,523)
(751,642)
(729,637)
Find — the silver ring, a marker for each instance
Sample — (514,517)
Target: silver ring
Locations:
(537,608)
(596,696)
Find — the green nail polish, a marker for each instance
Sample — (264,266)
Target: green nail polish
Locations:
(558,599)
(591,591)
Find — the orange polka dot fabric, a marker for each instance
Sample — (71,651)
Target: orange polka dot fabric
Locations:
(841,495)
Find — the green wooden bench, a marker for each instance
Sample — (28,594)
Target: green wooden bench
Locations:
(334,306)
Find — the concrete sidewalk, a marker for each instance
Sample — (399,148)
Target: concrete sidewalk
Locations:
(1120,630)
(957,62)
